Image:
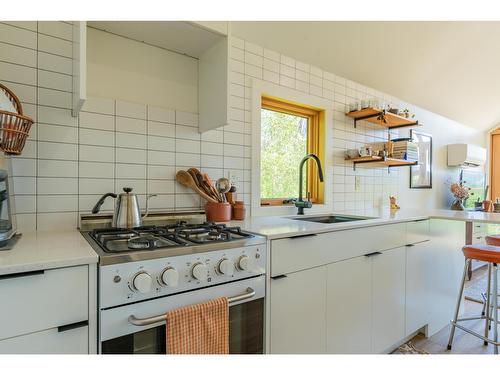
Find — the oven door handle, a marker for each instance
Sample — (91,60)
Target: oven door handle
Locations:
(249,293)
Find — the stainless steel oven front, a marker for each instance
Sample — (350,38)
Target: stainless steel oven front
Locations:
(139,328)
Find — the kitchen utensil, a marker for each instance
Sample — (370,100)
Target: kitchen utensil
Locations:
(211,185)
(127,213)
(487,205)
(186,179)
(198,179)
(239,211)
(218,211)
(478,205)
(365,103)
(486,191)
(223,185)
(496,207)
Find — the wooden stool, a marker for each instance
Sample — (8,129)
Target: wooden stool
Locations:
(491,255)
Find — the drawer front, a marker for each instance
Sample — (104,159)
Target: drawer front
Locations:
(51,341)
(417,231)
(37,301)
(478,228)
(303,252)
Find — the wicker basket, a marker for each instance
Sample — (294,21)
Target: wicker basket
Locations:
(14,127)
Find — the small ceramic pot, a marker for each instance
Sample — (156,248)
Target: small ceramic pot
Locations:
(496,207)
(487,205)
(218,211)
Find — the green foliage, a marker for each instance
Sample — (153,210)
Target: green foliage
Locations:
(283,145)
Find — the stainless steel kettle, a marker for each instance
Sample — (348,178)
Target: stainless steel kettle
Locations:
(127,213)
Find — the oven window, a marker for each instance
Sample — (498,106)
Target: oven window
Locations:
(246,334)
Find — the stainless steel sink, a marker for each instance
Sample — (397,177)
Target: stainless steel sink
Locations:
(331,219)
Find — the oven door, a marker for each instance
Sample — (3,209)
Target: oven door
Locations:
(246,320)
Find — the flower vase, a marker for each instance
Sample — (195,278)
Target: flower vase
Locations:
(458,205)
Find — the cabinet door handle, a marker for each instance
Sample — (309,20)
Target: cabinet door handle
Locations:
(304,235)
(76,325)
(372,254)
(410,245)
(278,277)
(21,274)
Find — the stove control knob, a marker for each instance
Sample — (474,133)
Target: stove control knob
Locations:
(226,267)
(142,282)
(170,277)
(199,272)
(244,263)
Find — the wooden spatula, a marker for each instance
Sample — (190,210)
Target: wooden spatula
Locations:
(185,178)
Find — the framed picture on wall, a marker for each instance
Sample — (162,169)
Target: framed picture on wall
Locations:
(421,173)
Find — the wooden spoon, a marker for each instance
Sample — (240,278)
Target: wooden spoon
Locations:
(210,183)
(185,178)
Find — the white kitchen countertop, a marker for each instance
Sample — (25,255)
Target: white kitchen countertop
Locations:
(45,250)
(274,227)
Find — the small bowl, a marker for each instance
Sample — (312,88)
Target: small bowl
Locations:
(352,153)
(217,212)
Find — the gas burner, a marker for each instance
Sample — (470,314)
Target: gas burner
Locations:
(143,243)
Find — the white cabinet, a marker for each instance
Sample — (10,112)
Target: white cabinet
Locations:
(79,66)
(418,285)
(388,299)
(349,306)
(213,86)
(298,312)
(51,341)
(47,311)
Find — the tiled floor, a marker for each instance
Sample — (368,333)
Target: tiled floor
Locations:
(463,342)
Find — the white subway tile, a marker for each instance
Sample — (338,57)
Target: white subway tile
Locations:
(210,148)
(57,186)
(130,171)
(55,45)
(87,202)
(162,201)
(23,167)
(17,73)
(161,172)
(96,185)
(54,98)
(213,136)
(287,81)
(24,185)
(57,168)
(55,81)
(99,105)
(54,63)
(161,129)
(26,222)
(96,170)
(131,155)
(212,161)
(97,121)
(17,36)
(187,160)
(57,133)
(253,59)
(57,29)
(160,187)
(237,42)
(161,143)
(56,116)
(138,186)
(25,93)
(188,146)
(187,132)
(234,138)
(97,137)
(17,55)
(287,61)
(237,53)
(128,140)
(130,125)
(97,153)
(271,76)
(161,158)
(253,71)
(187,201)
(62,151)
(25,204)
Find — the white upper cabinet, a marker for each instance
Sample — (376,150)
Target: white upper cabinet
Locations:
(79,66)
(213,86)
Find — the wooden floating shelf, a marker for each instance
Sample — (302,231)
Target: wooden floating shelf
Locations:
(379,160)
(382,118)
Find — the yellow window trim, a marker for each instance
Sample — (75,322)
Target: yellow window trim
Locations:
(315,143)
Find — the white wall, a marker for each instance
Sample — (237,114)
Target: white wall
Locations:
(68,162)
(121,68)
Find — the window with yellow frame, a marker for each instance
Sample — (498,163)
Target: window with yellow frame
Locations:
(289,131)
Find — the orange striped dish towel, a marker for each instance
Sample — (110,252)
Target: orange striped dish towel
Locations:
(199,329)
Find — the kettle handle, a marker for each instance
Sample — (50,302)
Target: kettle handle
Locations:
(147,205)
(99,203)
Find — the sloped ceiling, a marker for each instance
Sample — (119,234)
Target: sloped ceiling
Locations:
(450,68)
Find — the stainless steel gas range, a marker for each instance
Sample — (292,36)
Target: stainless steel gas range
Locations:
(145,272)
